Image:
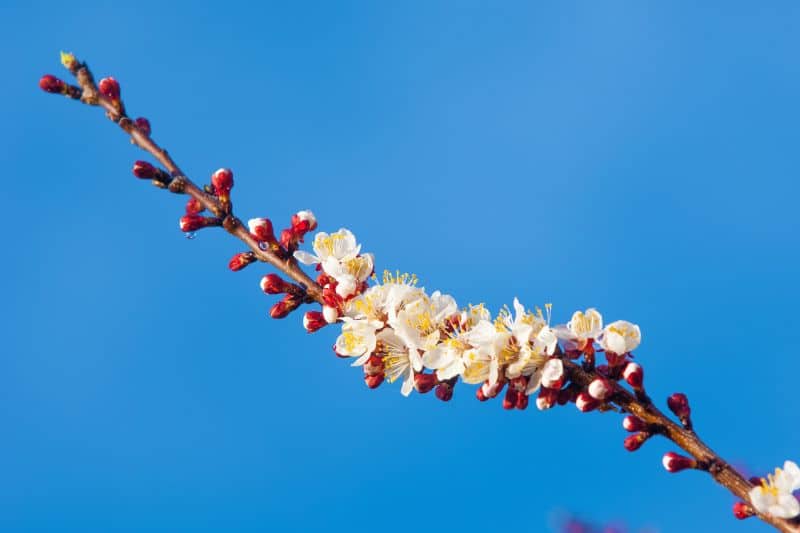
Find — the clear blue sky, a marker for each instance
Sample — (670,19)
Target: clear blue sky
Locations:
(639,157)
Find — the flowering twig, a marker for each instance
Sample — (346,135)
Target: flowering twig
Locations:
(395,330)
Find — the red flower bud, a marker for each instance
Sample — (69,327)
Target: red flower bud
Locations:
(373,381)
(143,125)
(635,441)
(600,388)
(261,229)
(193,206)
(109,87)
(50,84)
(222,181)
(282,308)
(288,239)
(314,321)
(144,170)
(425,382)
(675,463)
(241,260)
(304,221)
(444,391)
(742,510)
(273,284)
(633,375)
(565,396)
(547,398)
(510,399)
(195,222)
(633,423)
(522,401)
(678,403)
(330,297)
(585,403)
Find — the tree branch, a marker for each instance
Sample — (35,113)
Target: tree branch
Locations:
(581,377)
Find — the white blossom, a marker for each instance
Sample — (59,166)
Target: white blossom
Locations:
(620,337)
(774,495)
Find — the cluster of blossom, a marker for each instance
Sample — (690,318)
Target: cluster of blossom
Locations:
(395,330)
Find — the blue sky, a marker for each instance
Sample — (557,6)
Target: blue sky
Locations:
(639,157)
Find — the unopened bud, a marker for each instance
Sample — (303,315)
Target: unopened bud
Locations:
(510,399)
(241,260)
(109,87)
(678,403)
(195,222)
(145,170)
(222,181)
(425,382)
(487,392)
(553,374)
(284,307)
(143,125)
(675,463)
(444,391)
(633,423)
(373,381)
(193,206)
(585,403)
(261,229)
(547,398)
(522,401)
(635,441)
(633,375)
(273,284)
(288,239)
(50,84)
(331,314)
(304,221)
(741,510)
(565,396)
(314,321)
(600,389)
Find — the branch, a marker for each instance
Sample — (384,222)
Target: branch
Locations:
(396,330)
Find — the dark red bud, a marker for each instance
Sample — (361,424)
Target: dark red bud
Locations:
(675,463)
(633,423)
(222,181)
(288,239)
(143,125)
(109,87)
(635,441)
(241,260)
(50,84)
(261,229)
(510,398)
(742,510)
(585,403)
(633,375)
(190,223)
(144,170)
(314,321)
(678,403)
(373,381)
(193,206)
(444,391)
(522,401)
(273,284)
(425,382)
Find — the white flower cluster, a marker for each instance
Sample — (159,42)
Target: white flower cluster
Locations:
(775,494)
(397,331)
